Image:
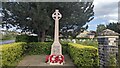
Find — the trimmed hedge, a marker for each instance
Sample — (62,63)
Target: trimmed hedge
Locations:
(83,55)
(12,53)
(26,38)
(37,48)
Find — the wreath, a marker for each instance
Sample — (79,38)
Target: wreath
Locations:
(55,58)
(60,59)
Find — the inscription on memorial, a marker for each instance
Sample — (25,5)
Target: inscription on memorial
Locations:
(56,49)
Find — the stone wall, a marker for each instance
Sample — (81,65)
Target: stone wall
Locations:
(108,48)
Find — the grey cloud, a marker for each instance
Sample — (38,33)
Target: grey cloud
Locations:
(106,11)
(105,8)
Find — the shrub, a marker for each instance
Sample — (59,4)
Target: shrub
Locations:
(64,47)
(83,55)
(26,38)
(12,53)
(37,48)
(21,38)
(32,38)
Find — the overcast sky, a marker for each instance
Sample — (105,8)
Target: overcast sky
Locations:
(105,13)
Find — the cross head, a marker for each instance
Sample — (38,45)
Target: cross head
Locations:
(56,15)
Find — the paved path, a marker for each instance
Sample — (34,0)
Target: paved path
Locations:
(38,61)
(6,42)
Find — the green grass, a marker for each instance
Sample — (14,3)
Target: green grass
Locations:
(89,43)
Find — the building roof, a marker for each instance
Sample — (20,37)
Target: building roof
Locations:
(85,34)
(108,32)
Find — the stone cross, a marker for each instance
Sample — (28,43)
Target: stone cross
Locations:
(56,16)
(56,48)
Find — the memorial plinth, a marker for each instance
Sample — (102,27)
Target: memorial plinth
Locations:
(56,57)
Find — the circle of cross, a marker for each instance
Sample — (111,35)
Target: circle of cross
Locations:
(56,15)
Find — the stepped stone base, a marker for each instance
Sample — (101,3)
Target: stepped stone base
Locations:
(38,61)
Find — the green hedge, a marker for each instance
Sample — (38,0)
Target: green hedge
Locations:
(37,48)
(64,48)
(12,53)
(83,55)
(26,38)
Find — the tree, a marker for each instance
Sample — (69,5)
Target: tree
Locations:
(80,14)
(100,28)
(114,26)
(36,17)
(31,17)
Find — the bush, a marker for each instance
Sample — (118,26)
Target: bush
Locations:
(83,55)
(37,48)
(26,38)
(64,48)
(21,38)
(12,53)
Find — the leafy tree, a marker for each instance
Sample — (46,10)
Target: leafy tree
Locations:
(36,16)
(114,26)
(100,28)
